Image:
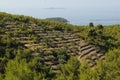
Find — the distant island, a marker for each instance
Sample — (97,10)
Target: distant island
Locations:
(59,19)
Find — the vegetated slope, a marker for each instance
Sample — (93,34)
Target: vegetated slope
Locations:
(49,43)
(59,19)
(41,41)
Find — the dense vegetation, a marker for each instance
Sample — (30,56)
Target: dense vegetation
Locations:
(29,46)
(59,19)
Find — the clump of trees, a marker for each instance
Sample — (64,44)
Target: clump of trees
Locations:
(91,24)
(59,19)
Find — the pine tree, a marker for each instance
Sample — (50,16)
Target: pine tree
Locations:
(18,70)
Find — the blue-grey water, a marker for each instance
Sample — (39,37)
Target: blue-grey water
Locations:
(74,16)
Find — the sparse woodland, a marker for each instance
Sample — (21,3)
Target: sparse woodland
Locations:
(36,49)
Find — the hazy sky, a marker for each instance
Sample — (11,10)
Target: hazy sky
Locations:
(75,4)
(74,10)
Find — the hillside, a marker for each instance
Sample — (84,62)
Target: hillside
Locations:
(59,19)
(49,50)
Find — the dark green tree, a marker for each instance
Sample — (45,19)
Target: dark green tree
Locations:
(100,26)
(91,24)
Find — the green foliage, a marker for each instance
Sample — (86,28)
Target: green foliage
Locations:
(18,70)
(102,37)
(111,68)
(70,71)
(85,72)
(108,70)
(61,56)
(58,19)
(100,26)
(91,24)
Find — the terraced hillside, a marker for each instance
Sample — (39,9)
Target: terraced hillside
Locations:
(35,49)
(53,46)
(90,54)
